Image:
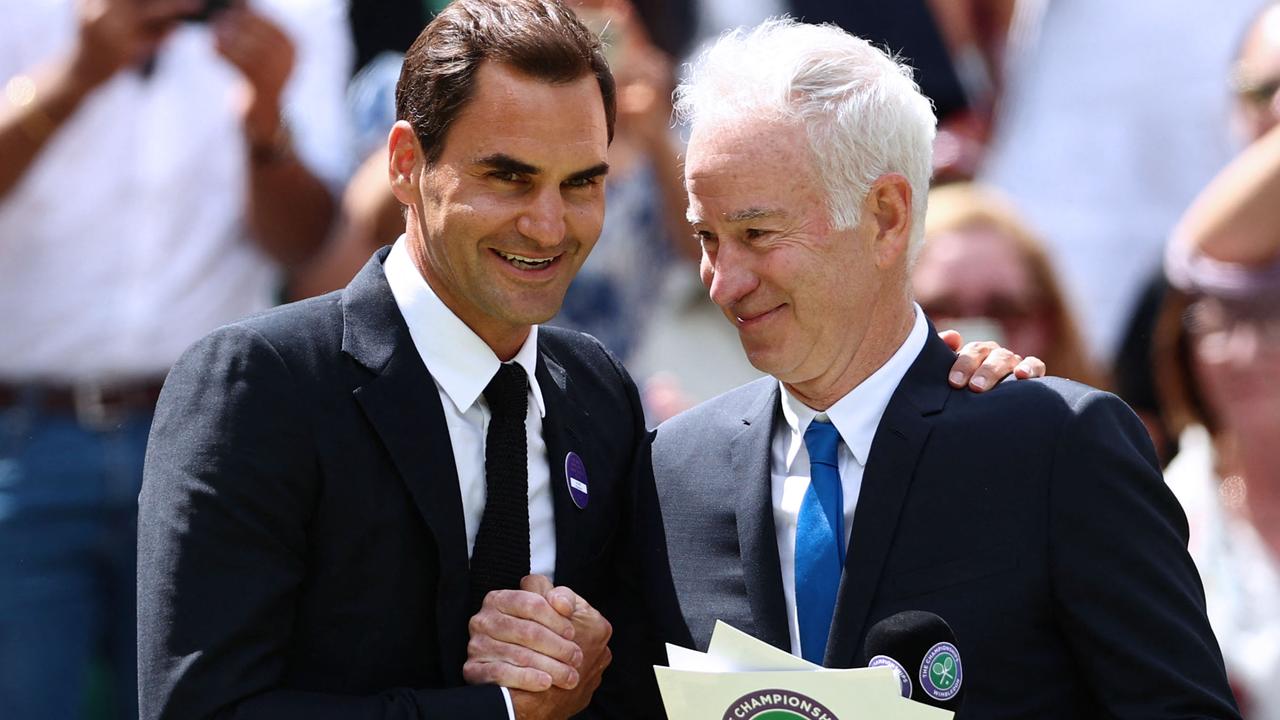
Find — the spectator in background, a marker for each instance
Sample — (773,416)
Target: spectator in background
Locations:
(645,229)
(1217,358)
(369,216)
(155,175)
(985,273)
(1253,79)
(1109,126)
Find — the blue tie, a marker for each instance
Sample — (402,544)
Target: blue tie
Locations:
(819,541)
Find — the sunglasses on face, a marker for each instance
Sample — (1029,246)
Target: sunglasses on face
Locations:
(1217,320)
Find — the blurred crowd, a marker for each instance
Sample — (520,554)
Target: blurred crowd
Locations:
(1107,197)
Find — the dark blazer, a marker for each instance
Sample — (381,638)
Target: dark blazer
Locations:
(301,544)
(1032,518)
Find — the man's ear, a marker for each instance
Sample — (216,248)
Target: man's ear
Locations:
(889,202)
(404,162)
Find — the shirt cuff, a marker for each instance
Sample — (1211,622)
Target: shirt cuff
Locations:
(511,709)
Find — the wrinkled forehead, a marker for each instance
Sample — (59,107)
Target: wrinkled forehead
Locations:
(736,172)
(539,122)
(744,149)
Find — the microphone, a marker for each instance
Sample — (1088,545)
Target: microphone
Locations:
(921,647)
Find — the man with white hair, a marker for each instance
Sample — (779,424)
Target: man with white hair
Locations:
(1058,556)
(850,485)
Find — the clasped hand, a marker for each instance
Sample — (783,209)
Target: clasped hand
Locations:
(544,643)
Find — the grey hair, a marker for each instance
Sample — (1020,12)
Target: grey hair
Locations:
(862,111)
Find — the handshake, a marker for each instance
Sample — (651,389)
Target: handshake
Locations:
(546,644)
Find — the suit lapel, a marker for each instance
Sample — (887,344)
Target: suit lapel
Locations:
(402,403)
(563,415)
(757,537)
(886,482)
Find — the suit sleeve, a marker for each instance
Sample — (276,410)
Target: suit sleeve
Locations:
(229,485)
(629,688)
(1122,576)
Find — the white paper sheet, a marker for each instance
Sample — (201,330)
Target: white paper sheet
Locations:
(742,678)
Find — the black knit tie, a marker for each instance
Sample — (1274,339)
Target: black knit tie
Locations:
(500,557)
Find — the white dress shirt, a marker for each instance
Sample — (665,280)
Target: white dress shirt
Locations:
(856,416)
(462,365)
(125,240)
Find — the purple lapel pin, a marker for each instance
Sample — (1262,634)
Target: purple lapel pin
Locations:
(575,476)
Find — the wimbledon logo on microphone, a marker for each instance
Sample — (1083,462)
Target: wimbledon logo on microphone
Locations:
(941,674)
(777,705)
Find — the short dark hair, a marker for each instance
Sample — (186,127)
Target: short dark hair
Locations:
(539,38)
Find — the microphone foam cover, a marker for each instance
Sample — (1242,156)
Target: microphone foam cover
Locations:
(922,647)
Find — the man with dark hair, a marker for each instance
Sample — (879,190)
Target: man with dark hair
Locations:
(333,488)
(316,477)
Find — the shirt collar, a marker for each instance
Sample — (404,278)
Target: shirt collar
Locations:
(858,413)
(461,363)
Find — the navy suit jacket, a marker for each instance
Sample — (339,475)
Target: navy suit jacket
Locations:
(1032,518)
(302,552)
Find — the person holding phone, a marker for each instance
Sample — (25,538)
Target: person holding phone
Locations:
(160,162)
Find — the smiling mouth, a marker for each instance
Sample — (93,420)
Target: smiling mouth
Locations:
(526,263)
(746,320)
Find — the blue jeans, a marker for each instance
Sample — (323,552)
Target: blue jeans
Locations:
(68,556)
